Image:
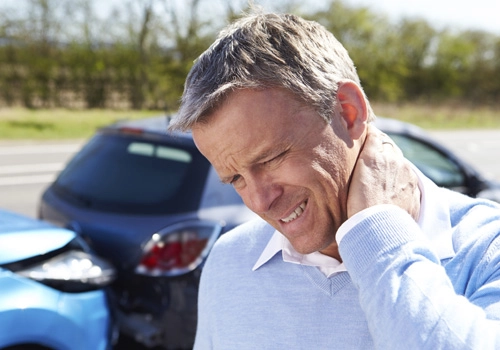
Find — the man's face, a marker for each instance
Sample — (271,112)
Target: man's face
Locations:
(288,165)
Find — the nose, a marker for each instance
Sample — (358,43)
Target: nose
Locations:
(260,193)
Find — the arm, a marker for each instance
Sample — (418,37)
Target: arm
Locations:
(408,298)
(383,176)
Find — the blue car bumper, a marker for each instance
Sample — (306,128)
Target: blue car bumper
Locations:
(32,313)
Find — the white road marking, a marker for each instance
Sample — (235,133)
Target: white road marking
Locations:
(25,180)
(30,168)
(37,173)
(39,149)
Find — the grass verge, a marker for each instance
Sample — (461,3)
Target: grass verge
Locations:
(442,117)
(47,124)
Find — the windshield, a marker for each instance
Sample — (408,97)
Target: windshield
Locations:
(123,173)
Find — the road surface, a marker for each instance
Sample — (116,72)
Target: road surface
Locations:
(27,168)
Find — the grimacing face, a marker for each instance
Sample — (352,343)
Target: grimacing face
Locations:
(289,166)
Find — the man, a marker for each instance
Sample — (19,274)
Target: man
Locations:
(356,249)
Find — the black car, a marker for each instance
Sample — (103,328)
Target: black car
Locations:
(437,162)
(150,203)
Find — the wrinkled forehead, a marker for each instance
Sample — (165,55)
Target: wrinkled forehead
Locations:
(230,94)
(251,119)
(246,117)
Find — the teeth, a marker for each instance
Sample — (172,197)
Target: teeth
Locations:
(296,213)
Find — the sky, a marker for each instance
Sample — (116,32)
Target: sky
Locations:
(453,14)
(458,14)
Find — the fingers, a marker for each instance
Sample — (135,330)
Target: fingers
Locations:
(382,176)
(377,138)
(378,148)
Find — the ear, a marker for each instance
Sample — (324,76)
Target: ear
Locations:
(353,108)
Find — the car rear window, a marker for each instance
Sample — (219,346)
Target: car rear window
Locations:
(129,174)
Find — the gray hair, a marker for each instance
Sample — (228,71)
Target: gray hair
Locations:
(261,51)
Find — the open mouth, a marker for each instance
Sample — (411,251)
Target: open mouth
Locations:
(295,214)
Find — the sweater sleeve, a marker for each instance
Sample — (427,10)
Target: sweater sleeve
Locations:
(408,298)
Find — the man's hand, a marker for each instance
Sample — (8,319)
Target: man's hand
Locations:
(382,176)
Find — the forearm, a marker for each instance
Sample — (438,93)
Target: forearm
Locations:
(408,299)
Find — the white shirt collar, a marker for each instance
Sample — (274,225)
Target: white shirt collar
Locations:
(434,221)
(325,263)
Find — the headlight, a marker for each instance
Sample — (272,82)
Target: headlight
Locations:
(72,268)
(178,249)
(71,271)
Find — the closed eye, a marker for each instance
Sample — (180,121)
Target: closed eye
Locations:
(234,179)
(279,156)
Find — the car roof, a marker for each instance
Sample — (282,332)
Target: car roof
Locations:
(398,126)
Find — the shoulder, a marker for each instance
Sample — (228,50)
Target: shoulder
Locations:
(246,240)
(468,214)
(462,205)
(246,237)
(476,225)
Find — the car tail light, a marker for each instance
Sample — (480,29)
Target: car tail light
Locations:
(178,249)
(131,130)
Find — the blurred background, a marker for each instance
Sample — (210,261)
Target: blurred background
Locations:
(69,67)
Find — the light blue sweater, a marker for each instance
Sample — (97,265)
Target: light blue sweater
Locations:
(395,295)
